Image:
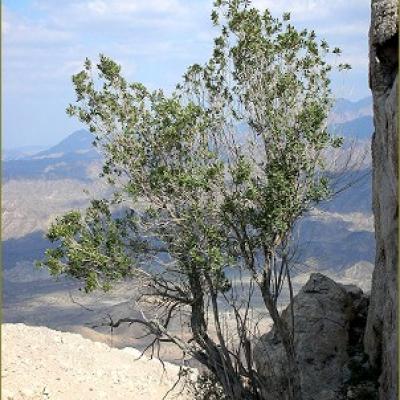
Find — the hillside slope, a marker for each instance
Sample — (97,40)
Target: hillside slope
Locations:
(38,363)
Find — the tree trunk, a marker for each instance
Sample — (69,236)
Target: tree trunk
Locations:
(294,382)
(215,357)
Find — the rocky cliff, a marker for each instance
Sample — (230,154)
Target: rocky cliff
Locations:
(381,332)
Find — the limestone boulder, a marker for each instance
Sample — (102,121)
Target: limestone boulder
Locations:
(329,324)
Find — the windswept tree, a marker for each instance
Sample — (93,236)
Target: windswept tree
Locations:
(223,168)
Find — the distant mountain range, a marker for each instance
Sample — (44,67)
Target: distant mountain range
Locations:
(346,110)
(73,156)
(20,152)
(352,119)
(70,158)
(360,128)
(79,142)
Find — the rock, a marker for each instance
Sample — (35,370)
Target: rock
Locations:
(363,391)
(329,325)
(381,331)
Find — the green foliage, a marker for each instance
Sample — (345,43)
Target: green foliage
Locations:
(90,247)
(210,198)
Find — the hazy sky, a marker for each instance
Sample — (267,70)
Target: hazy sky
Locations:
(46,41)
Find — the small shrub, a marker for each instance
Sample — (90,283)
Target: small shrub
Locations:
(208,388)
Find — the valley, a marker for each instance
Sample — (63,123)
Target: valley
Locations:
(336,239)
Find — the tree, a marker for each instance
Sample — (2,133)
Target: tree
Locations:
(225,166)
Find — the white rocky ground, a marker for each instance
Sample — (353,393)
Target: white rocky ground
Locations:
(38,363)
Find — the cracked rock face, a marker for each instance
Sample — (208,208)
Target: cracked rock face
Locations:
(329,325)
(381,332)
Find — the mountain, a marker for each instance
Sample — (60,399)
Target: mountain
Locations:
(65,176)
(71,158)
(78,142)
(360,128)
(20,152)
(350,119)
(344,106)
(346,110)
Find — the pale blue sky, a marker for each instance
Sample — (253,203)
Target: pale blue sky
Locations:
(46,41)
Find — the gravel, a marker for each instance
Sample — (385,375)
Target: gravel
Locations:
(41,363)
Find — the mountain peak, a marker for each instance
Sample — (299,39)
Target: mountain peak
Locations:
(346,110)
(80,140)
(70,158)
(345,105)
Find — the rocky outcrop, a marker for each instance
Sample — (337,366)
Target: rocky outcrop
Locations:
(329,325)
(381,332)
